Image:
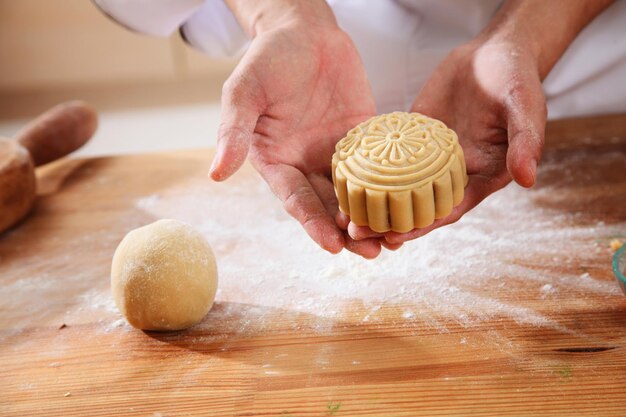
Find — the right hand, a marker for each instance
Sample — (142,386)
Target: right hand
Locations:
(298,89)
(490,93)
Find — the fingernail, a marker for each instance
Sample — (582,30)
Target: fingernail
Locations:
(533,169)
(392,239)
(214,164)
(353,232)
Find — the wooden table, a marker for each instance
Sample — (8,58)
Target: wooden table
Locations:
(511,312)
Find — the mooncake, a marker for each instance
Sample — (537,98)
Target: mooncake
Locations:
(399,171)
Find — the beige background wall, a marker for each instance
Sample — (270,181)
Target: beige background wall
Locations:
(50,46)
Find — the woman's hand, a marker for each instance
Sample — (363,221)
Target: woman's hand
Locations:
(298,89)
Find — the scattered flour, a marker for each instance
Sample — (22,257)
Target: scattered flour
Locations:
(547,289)
(408,315)
(96,299)
(147,202)
(121,322)
(514,247)
(268,266)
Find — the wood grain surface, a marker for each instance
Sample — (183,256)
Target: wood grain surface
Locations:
(527,321)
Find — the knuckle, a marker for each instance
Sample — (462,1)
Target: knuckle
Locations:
(293,201)
(229,86)
(515,97)
(226,131)
(233,91)
(238,88)
(298,205)
(311,218)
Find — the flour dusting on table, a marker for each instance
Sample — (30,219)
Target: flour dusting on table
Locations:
(267,263)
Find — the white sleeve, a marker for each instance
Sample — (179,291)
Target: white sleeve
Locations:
(590,76)
(154,17)
(207,25)
(213,29)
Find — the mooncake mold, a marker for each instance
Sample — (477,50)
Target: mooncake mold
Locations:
(399,171)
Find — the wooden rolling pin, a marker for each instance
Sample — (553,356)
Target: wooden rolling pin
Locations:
(52,135)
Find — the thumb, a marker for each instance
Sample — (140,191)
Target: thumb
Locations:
(526,125)
(238,122)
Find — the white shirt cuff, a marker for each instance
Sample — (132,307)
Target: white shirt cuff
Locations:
(154,17)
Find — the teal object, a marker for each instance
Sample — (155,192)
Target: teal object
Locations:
(619,266)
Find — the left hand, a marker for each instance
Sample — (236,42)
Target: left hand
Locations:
(490,93)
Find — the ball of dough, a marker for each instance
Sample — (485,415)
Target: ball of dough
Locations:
(164,276)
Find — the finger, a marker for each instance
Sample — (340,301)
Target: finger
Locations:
(477,189)
(368,248)
(342,220)
(390,246)
(323,186)
(240,113)
(526,123)
(302,202)
(326,192)
(362,232)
